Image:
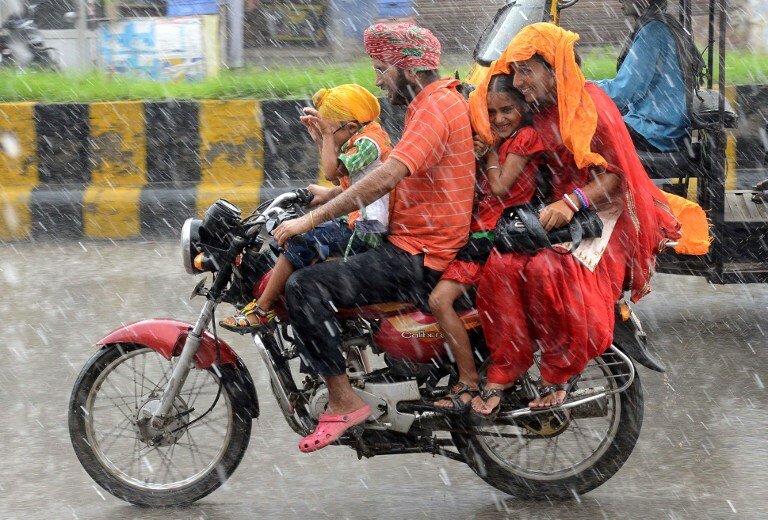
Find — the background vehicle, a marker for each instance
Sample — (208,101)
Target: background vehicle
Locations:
(161,414)
(22,44)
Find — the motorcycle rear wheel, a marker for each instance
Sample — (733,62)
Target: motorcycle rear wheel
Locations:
(520,477)
(154,474)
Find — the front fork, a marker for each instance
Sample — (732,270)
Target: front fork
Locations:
(184,365)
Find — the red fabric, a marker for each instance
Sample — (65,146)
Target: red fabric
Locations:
(488,207)
(431,209)
(547,300)
(552,301)
(463,272)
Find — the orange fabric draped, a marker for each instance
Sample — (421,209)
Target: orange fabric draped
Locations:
(694,226)
(578,115)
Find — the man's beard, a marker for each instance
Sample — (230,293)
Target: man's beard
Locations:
(404,92)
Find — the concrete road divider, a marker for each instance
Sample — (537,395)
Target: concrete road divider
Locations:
(133,169)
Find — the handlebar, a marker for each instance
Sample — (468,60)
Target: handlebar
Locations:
(301,197)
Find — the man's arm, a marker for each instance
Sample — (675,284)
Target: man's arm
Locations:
(634,77)
(370,188)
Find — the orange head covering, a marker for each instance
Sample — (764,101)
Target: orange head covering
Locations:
(349,102)
(578,115)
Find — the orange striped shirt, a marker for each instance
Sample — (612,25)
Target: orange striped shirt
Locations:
(432,207)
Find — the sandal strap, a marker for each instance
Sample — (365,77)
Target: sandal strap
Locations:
(240,320)
(567,386)
(460,389)
(247,311)
(486,393)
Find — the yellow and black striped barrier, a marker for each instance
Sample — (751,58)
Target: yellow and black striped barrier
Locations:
(139,169)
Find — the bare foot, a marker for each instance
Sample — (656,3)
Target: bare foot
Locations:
(551,399)
(464,397)
(353,403)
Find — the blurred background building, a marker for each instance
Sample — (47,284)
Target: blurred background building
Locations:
(280,31)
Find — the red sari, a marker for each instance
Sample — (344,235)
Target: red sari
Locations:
(552,301)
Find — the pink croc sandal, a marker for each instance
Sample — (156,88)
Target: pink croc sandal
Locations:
(331,427)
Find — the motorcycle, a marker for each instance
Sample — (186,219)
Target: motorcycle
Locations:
(22,44)
(161,414)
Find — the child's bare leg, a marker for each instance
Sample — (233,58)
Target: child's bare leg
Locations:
(275,286)
(441,303)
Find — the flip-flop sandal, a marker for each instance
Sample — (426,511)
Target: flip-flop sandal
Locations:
(241,324)
(454,396)
(567,387)
(486,394)
(331,427)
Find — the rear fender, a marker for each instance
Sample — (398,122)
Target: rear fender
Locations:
(167,337)
(629,337)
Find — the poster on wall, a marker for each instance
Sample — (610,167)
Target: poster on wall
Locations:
(301,22)
(164,49)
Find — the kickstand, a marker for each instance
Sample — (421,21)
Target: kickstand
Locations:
(361,447)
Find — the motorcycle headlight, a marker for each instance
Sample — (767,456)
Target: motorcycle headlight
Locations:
(190,235)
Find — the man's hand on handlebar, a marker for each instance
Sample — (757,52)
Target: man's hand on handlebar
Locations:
(291,228)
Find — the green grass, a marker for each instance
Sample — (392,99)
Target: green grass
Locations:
(743,68)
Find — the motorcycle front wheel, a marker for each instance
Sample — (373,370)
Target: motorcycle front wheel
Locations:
(186,459)
(562,454)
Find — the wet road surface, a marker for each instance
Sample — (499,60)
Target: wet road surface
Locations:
(703,451)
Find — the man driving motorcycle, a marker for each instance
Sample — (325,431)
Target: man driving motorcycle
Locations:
(430,175)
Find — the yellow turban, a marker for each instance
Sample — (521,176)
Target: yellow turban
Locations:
(347,103)
(578,115)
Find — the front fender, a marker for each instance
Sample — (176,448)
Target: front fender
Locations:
(167,337)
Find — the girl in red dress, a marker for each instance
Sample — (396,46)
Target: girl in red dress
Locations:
(509,179)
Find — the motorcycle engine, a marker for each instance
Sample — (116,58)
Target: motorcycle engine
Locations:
(318,401)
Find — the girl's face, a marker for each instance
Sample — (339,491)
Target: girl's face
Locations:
(504,111)
(536,81)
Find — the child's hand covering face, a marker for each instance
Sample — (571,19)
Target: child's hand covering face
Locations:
(310,123)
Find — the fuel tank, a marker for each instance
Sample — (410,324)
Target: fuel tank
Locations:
(416,336)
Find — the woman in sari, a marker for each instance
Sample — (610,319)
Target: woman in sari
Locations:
(564,303)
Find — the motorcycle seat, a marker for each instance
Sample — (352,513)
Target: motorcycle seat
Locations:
(378,310)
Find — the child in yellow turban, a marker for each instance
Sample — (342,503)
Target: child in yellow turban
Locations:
(351,143)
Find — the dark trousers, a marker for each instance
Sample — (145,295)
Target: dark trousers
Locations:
(315,293)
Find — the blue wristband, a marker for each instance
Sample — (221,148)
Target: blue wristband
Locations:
(582,198)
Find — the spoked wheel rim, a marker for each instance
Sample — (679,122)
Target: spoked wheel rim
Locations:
(577,448)
(134,381)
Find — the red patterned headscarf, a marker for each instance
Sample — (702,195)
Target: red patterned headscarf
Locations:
(404,45)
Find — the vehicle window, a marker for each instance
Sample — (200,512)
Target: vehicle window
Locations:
(505,25)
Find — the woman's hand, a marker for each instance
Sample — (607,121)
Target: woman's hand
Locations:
(291,228)
(556,215)
(480,147)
